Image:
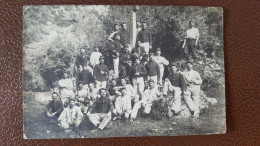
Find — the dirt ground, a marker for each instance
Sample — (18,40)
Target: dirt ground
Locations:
(211,120)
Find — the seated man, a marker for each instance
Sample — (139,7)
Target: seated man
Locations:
(122,105)
(130,91)
(150,95)
(55,107)
(71,117)
(112,89)
(173,84)
(100,113)
(82,98)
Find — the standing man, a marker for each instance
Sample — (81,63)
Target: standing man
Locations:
(173,84)
(54,107)
(100,113)
(124,35)
(161,61)
(153,69)
(191,40)
(85,77)
(100,74)
(138,26)
(94,57)
(82,59)
(138,73)
(116,30)
(145,37)
(117,49)
(150,95)
(192,93)
(124,57)
(71,117)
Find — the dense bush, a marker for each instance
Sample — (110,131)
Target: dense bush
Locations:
(53,36)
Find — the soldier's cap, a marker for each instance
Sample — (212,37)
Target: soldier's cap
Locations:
(72,99)
(79,82)
(101,58)
(173,64)
(122,88)
(189,62)
(55,93)
(151,81)
(158,49)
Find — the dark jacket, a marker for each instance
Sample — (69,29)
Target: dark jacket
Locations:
(140,51)
(124,37)
(56,106)
(85,76)
(97,72)
(102,105)
(153,69)
(144,36)
(139,68)
(81,60)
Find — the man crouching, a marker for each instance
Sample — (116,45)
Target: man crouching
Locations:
(100,112)
(71,117)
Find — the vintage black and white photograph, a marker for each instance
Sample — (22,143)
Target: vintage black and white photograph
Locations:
(122,71)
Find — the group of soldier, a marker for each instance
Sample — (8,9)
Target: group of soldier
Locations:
(125,81)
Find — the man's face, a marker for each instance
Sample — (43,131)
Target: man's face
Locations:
(139,43)
(117,27)
(85,67)
(173,69)
(101,60)
(55,97)
(113,83)
(80,86)
(72,103)
(82,51)
(65,75)
(123,92)
(91,86)
(191,24)
(150,58)
(158,52)
(189,66)
(144,25)
(103,93)
(123,82)
(138,24)
(137,61)
(124,26)
(151,84)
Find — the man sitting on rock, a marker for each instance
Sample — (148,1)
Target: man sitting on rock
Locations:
(82,98)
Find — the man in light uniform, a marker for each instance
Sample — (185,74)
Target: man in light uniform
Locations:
(122,105)
(161,61)
(150,95)
(66,88)
(191,40)
(192,93)
(94,57)
(173,84)
(71,117)
(130,91)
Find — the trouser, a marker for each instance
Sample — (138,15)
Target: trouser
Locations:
(76,123)
(101,84)
(146,46)
(154,78)
(116,65)
(147,108)
(161,74)
(101,119)
(176,102)
(191,47)
(120,113)
(192,97)
(135,98)
(138,84)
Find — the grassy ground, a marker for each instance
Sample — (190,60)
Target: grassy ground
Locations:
(211,120)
